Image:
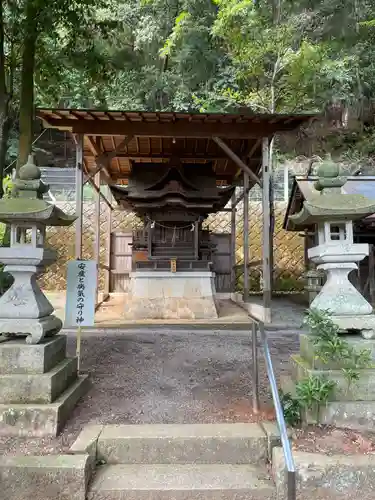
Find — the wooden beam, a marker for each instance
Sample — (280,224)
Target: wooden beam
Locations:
(180,154)
(242,195)
(103,159)
(123,177)
(232,155)
(107,282)
(257,144)
(108,156)
(94,148)
(233,245)
(79,197)
(246,238)
(99,192)
(267,261)
(196,239)
(97,234)
(101,165)
(183,128)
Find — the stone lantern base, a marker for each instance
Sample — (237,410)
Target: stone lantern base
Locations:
(350,406)
(364,324)
(39,387)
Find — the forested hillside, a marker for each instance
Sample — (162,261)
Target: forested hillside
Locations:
(201,55)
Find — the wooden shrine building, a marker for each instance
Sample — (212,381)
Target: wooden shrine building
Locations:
(173,170)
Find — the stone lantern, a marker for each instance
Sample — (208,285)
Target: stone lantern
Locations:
(333,213)
(24,309)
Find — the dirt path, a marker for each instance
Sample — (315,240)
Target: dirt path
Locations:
(164,377)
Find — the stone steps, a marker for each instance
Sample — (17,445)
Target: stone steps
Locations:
(178,461)
(183,444)
(39,387)
(181,482)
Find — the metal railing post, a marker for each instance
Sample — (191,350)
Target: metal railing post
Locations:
(290,469)
(254,342)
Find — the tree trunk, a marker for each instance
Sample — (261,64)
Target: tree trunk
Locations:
(4,104)
(4,137)
(26,117)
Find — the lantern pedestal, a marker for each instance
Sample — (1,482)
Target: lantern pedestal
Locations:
(39,386)
(24,309)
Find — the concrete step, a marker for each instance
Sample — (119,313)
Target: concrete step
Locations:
(183,444)
(181,482)
(38,388)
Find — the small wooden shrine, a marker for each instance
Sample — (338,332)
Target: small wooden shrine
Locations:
(173,201)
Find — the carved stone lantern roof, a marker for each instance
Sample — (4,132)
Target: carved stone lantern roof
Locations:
(330,204)
(27,203)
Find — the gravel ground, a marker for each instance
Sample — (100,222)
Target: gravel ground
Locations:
(330,441)
(164,377)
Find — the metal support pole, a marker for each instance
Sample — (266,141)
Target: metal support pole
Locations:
(79,197)
(97,234)
(233,246)
(254,344)
(246,238)
(267,249)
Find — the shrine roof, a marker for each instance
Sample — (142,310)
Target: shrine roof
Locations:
(159,136)
(303,189)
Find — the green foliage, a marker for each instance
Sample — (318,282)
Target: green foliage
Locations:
(6,279)
(203,55)
(330,346)
(313,392)
(291,408)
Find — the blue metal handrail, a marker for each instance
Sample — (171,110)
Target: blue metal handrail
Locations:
(287,450)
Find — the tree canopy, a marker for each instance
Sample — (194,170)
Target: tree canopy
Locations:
(197,55)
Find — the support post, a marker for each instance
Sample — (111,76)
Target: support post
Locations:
(107,282)
(79,196)
(371,274)
(196,239)
(97,234)
(286,183)
(149,240)
(246,237)
(233,245)
(266,210)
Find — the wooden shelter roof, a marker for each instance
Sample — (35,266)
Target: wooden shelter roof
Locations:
(122,137)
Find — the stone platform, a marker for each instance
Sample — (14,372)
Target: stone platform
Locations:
(168,295)
(350,405)
(39,387)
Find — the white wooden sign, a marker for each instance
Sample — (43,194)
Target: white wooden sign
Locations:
(80,293)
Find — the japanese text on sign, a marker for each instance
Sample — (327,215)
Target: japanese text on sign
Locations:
(81,293)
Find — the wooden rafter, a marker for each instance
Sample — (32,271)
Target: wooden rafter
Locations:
(181,154)
(102,166)
(236,159)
